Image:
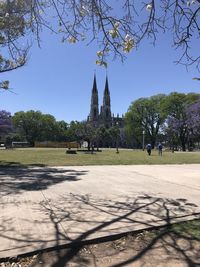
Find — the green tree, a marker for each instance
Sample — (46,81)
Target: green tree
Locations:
(35,126)
(114,134)
(175,106)
(74,131)
(48,128)
(103,136)
(145,114)
(87,133)
(62,130)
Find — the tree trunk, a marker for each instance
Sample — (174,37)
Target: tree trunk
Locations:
(183,140)
(88,145)
(183,144)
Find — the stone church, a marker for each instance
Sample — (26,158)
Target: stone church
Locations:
(103,117)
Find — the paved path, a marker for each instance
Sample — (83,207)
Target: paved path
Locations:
(45,207)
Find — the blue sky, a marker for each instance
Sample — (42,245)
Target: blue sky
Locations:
(58,78)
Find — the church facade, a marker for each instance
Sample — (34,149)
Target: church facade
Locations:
(103,117)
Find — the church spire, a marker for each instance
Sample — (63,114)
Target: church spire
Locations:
(106,91)
(94,107)
(106,97)
(106,102)
(94,89)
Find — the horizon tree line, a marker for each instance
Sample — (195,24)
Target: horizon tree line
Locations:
(173,119)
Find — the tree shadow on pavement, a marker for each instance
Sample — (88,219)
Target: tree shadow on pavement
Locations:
(94,220)
(15,179)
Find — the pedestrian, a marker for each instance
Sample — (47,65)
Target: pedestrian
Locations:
(148,147)
(160,147)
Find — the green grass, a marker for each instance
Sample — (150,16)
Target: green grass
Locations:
(182,232)
(190,228)
(58,157)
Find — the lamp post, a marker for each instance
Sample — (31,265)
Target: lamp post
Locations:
(117,140)
(143,133)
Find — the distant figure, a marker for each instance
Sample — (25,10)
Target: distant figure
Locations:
(160,147)
(148,147)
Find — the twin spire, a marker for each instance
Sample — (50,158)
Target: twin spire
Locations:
(105,111)
(94,89)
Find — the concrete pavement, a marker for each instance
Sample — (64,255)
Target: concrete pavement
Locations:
(46,207)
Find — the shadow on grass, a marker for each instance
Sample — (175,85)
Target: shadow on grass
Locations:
(78,220)
(5,164)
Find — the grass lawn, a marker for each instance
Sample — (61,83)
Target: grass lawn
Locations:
(190,228)
(58,157)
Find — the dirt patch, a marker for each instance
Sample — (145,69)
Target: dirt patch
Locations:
(153,248)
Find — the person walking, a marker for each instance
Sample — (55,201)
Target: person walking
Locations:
(148,147)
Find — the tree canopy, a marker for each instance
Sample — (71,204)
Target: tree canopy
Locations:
(35,126)
(145,114)
(173,118)
(193,119)
(13,27)
(178,106)
(116,26)
(5,122)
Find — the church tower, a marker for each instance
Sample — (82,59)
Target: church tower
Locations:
(94,107)
(106,109)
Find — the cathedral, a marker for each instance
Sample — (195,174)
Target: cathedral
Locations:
(103,117)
